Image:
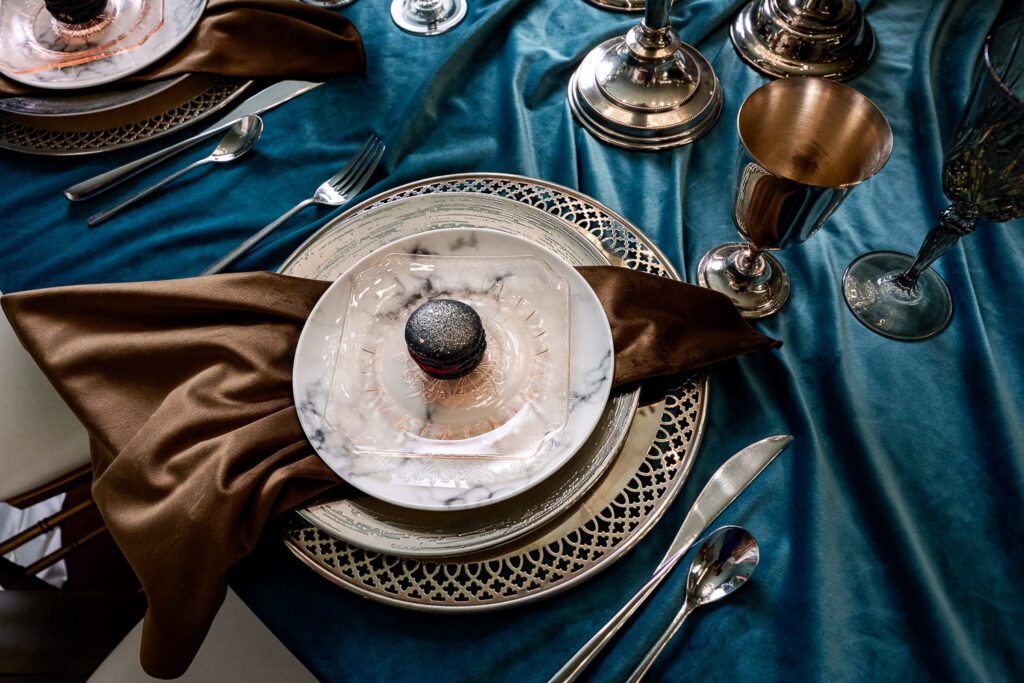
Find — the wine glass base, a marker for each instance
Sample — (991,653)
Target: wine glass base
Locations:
(892,311)
(444,17)
(757,298)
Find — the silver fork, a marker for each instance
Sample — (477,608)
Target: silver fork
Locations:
(338,189)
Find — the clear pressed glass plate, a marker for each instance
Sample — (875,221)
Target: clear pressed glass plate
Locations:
(513,405)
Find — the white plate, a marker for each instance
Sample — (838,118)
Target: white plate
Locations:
(179,18)
(450,483)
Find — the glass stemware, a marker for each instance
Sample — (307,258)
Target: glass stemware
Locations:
(805,143)
(899,296)
(428,17)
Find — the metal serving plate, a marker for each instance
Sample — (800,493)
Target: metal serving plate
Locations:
(609,519)
(180,104)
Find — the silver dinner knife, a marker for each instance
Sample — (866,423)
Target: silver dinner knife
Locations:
(721,490)
(264,100)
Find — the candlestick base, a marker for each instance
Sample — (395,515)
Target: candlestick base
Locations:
(647,90)
(781,38)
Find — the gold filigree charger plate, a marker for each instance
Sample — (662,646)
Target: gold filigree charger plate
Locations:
(95,123)
(570,544)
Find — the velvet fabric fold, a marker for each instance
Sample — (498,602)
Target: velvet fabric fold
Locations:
(186,387)
(265,39)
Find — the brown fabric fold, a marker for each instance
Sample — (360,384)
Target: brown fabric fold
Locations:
(269,39)
(663,327)
(186,385)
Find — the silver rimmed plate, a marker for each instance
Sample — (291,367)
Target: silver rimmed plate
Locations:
(70,104)
(335,367)
(185,102)
(599,527)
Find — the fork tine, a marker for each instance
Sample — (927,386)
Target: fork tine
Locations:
(370,142)
(357,167)
(356,186)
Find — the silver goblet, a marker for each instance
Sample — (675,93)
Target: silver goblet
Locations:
(899,296)
(647,89)
(804,144)
(428,17)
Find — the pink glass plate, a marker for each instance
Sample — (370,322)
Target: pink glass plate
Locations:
(128,36)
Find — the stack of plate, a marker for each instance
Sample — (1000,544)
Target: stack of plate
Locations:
(471,533)
(84,108)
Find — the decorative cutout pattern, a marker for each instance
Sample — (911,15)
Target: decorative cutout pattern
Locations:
(20,137)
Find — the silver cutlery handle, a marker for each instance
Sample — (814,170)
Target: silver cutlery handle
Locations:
(245,246)
(641,670)
(98,218)
(104,181)
(575,666)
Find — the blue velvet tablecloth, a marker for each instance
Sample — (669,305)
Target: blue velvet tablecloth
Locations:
(891,531)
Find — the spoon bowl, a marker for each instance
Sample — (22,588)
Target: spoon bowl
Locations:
(238,140)
(724,562)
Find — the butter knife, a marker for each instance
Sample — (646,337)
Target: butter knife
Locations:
(721,490)
(264,100)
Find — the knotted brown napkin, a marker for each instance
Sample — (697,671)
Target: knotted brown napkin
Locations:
(271,39)
(186,384)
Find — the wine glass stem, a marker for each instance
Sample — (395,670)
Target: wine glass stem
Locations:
(957,220)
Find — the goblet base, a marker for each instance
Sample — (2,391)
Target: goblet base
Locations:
(755,296)
(428,18)
(885,307)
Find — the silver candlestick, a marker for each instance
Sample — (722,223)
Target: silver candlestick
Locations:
(647,89)
(823,38)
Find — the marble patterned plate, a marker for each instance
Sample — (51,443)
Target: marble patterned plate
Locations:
(449,483)
(21,43)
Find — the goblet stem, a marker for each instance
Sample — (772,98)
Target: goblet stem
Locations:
(656,14)
(957,220)
(749,262)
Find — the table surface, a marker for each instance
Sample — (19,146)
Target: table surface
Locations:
(890,530)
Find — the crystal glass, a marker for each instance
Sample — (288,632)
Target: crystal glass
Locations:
(805,143)
(899,296)
(428,17)
(510,406)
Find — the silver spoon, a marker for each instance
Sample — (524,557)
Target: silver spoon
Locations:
(239,139)
(723,563)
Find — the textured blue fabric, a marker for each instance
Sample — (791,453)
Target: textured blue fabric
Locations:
(890,530)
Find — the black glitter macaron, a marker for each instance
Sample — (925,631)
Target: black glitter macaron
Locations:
(446,338)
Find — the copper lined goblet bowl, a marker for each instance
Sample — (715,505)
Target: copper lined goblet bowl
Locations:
(805,143)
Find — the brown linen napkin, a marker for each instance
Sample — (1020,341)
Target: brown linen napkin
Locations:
(186,384)
(270,39)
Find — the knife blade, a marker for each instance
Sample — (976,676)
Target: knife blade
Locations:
(264,100)
(725,485)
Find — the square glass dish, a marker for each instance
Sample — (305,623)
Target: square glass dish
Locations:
(512,404)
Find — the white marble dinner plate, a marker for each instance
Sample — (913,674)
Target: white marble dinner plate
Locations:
(17,47)
(450,483)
